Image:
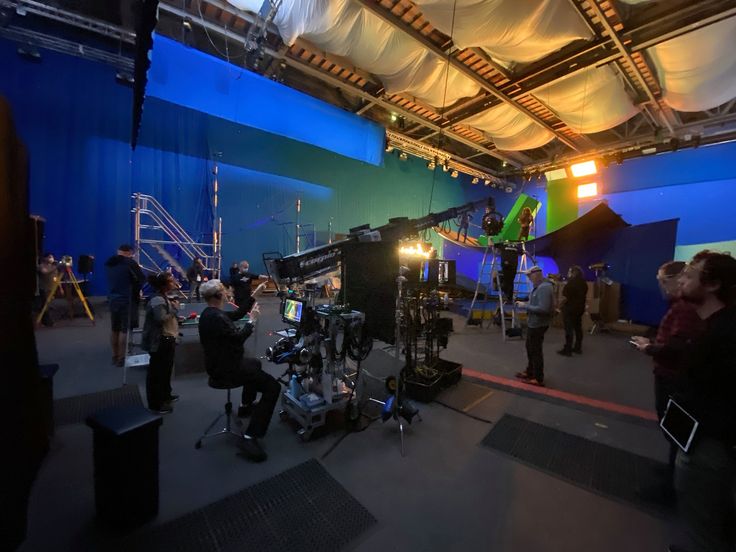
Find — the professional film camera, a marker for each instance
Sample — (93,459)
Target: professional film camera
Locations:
(316,347)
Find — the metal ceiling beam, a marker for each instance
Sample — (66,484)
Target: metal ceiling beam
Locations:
(386,16)
(602,51)
(311,70)
(621,47)
(41,40)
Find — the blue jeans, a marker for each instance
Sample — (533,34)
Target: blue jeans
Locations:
(705,482)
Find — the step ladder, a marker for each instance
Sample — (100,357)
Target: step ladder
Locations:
(489,285)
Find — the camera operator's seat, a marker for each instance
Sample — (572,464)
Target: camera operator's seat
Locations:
(228,414)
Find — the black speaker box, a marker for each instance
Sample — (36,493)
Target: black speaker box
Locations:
(86,264)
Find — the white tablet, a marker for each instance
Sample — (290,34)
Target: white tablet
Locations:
(679,425)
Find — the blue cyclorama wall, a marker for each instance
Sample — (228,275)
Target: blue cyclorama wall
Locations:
(696,186)
(75,120)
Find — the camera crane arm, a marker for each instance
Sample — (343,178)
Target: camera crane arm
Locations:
(298,267)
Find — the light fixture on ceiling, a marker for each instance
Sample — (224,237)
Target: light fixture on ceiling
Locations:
(586,168)
(394,117)
(389,148)
(454,174)
(431,164)
(509,189)
(505,164)
(445,168)
(486,182)
(187,24)
(475,180)
(587,190)
(649,151)
(403,156)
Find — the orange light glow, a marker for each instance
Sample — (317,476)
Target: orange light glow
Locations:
(583,169)
(415,251)
(587,190)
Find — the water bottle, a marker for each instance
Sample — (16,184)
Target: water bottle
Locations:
(295,390)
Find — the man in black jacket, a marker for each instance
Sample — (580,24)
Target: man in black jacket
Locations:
(225,360)
(125,280)
(572,308)
(241,283)
(705,476)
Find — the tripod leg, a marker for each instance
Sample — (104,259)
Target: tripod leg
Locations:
(78,289)
(401,434)
(49,298)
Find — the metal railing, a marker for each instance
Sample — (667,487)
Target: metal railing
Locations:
(155,229)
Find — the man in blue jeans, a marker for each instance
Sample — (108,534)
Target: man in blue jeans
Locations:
(539,313)
(705,476)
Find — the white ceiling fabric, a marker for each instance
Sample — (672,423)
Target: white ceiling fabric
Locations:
(698,70)
(510,129)
(344,28)
(590,101)
(517,31)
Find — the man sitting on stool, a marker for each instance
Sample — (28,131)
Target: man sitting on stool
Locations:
(224,356)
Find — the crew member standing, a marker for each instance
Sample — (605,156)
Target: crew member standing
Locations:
(195,274)
(572,308)
(705,476)
(125,279)
(241,284)
(160,331)
(679,326)
(526,219)
(463,222)
(539,313)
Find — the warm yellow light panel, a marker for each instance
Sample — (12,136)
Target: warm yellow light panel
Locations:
(583,169)
(587,190)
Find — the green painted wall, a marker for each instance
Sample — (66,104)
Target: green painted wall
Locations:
(562,204)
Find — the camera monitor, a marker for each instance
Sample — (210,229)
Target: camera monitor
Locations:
(293,311)
(437,272)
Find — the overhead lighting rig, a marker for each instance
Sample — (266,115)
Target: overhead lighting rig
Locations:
(436,157)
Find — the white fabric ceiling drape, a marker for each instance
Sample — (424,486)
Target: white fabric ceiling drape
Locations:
(509,128)
(698,70)
(590,101)
(511,31)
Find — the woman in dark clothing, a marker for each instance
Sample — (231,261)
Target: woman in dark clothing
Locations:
(525,219)
(159,338)
(572,308)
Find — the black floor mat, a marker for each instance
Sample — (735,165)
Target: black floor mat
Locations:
(300,509)
(74,410)
(597,467)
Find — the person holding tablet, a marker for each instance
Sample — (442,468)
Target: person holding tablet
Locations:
(705,475)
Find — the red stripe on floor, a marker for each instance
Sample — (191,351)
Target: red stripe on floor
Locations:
(562,395)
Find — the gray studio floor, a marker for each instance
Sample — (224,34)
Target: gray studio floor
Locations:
(446,493)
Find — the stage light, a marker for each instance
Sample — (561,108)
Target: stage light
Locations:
(585,168)
(486,182)
(389,148)
(445,168)
(587,190)
(187,24)
(415,250)
(454,174)
(431,165)
(505,164)
(403,156)
(619,157)
(509,189)
(649,151)
(394,117)
(475,180)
